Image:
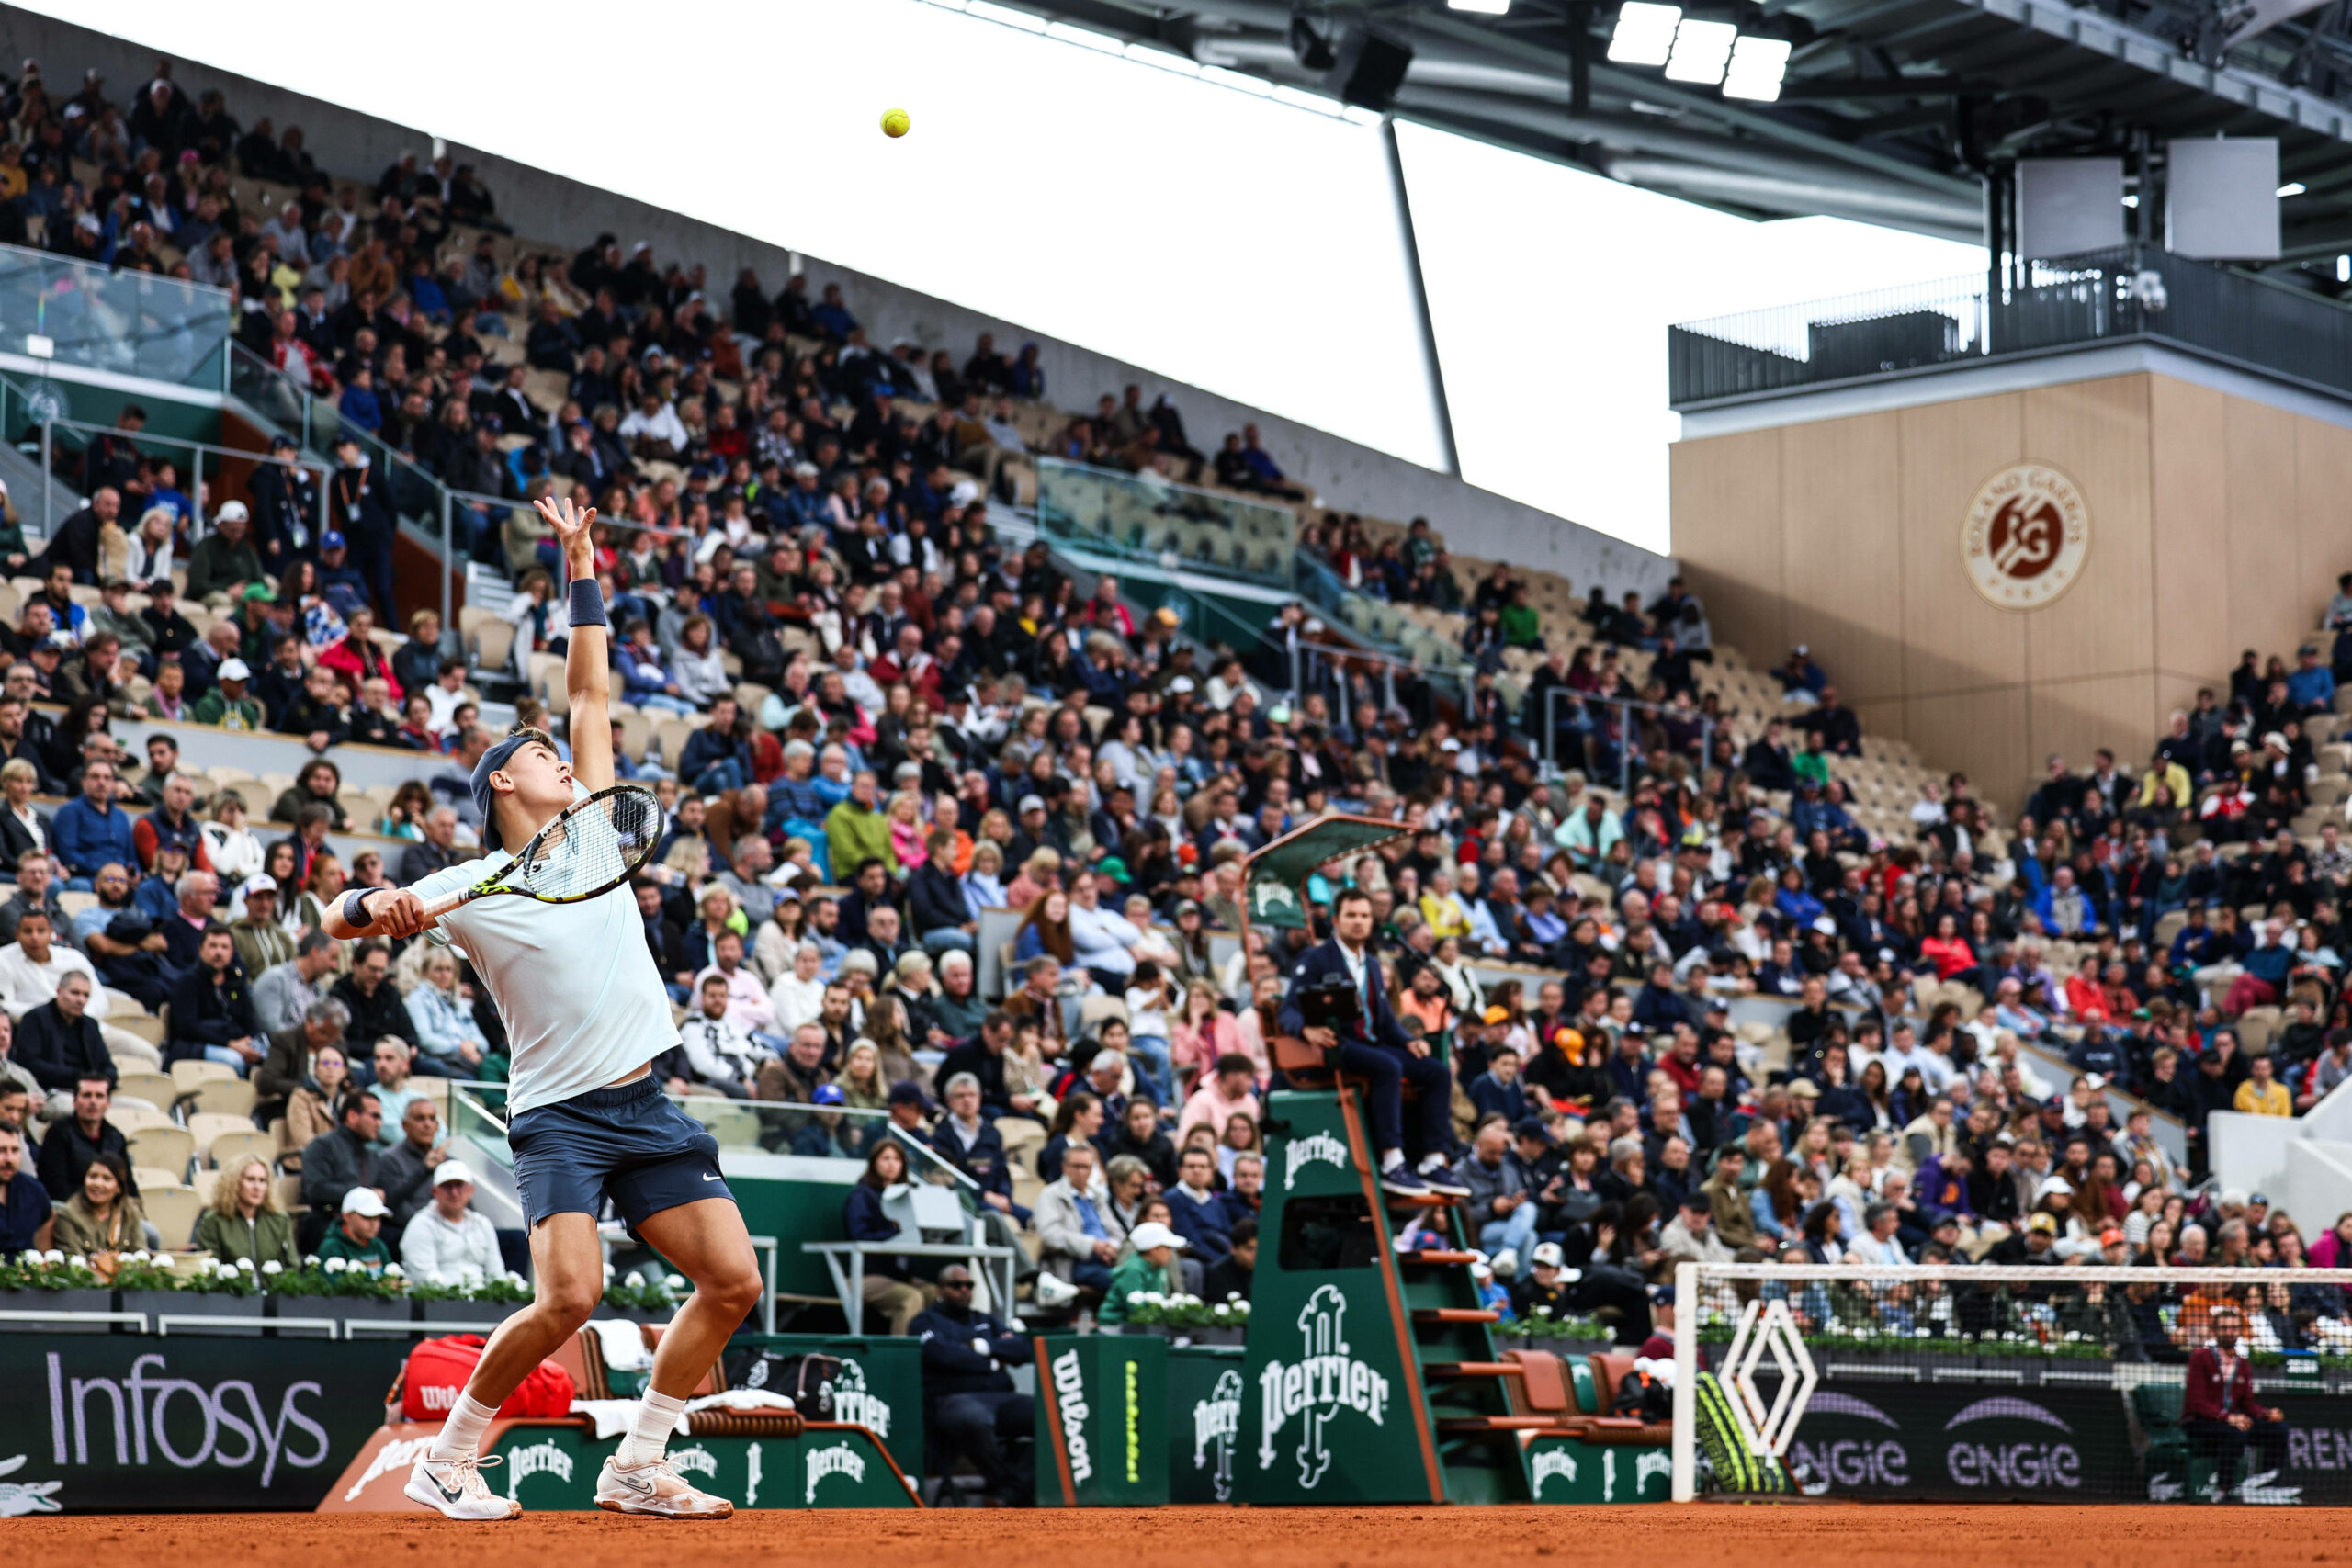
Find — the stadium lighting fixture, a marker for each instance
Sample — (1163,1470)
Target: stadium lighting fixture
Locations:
(1757,66)
(1481,7)
(1702,49)
(1644,34)
(2292,187)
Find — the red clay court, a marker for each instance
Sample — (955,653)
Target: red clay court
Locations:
(1700,1537)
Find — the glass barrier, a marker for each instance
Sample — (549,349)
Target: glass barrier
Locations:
(1147,514)
(135,323)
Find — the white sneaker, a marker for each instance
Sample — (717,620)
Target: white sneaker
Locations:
(655,1489)
(454,1487)
(1505,1263)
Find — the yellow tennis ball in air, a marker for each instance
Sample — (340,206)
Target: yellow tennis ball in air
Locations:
(895,122)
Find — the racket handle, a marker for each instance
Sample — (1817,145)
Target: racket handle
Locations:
(446,902)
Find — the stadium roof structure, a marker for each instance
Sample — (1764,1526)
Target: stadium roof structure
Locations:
(1887,111)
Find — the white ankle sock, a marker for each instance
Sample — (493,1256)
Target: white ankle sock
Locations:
(1391,1159)
(649,1430)
(461,1433)
(1430,1162)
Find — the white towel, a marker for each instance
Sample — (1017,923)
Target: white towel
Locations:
(611,1417)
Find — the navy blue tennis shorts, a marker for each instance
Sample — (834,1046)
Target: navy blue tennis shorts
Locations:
(627,1141)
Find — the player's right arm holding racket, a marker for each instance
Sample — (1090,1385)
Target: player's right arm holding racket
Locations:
(531,784)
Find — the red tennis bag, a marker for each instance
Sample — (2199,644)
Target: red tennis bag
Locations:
(436,1373)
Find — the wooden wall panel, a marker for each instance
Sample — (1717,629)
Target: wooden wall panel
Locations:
(2221,524)
(1982,734)
(2096,432)
(1727,503)
(1956,642)
(2322,513)
(2265,600)
(2188,471)
(2076,718)
(1839,487)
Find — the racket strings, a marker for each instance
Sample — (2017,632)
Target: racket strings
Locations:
(597,844)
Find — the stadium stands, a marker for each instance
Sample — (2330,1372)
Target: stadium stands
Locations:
(1659,901)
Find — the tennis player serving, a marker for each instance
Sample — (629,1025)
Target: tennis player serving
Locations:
(585,1013)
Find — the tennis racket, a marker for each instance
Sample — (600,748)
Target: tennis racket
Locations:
(593,847)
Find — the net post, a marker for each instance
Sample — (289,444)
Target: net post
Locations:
(1685,1382)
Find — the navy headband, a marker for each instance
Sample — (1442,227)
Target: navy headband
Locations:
(491,761)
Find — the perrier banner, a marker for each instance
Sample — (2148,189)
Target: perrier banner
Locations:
(1327,1412)
(1102,1420)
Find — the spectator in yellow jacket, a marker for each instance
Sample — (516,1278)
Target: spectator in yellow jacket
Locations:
(2262,1094)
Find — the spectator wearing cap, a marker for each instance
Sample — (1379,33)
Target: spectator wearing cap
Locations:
(227,704)
(1148,1263)
(1544,1286)
(447,1239)
(224,563)
(357,1235)
(262,941)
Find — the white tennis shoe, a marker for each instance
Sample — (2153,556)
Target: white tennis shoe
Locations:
(656,1489)
(455,1487)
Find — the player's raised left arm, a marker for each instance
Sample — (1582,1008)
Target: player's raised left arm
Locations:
(587,666)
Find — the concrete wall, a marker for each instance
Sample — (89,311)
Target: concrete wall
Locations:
(555,209)
(2219,522)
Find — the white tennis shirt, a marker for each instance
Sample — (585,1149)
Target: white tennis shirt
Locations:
(574,984)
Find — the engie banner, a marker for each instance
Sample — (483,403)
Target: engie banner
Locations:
(133,1424)
(1978,1443)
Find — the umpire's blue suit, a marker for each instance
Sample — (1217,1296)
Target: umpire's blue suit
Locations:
(1384,1060)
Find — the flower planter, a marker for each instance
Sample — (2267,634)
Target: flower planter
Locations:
(72,1301)
(1210,1334)
(350,1309)
(205,1304)
(471,1313)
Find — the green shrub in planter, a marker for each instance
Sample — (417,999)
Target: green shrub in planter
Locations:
(469,1296)
(339,1288)
(641,1300)
(52,1282)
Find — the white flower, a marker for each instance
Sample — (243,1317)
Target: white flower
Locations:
(441,1277)
(674,1281)
(53,1255)
(273,1267)
(206,1264)
(311,1260)
(78,1261)
(633,1280)
(1542,1311)
(1134,1298)
(1221,1310)
(336,1266)
(393,1271)
(245,1264)
(514,1279)
(608,1271)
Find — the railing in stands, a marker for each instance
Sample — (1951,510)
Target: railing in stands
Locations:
(50,449)
(2132,294)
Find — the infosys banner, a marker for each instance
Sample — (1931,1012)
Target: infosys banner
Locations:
(121,1425)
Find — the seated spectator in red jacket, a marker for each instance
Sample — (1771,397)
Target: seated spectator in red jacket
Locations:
(2223,1419)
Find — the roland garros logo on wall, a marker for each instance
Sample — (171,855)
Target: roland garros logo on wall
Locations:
(2025,536)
